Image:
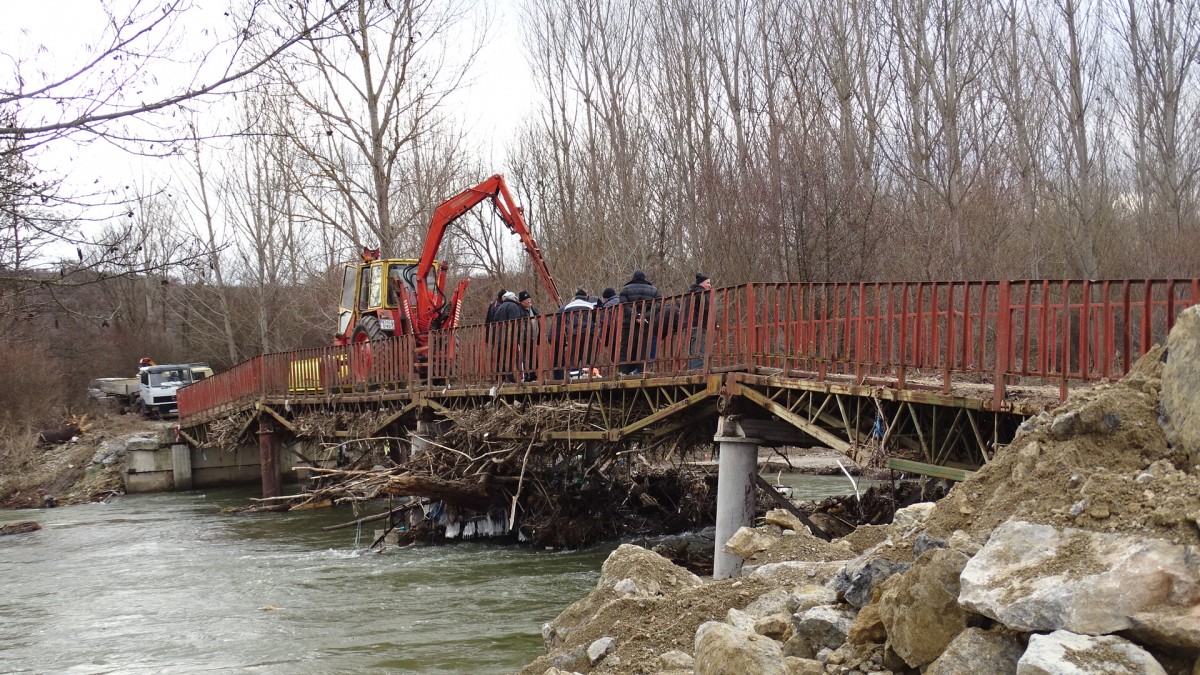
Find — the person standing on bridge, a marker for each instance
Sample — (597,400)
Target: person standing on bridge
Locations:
(529,350)
(509,333)
(572,336)
(490,318)
(696,308)
(638,298)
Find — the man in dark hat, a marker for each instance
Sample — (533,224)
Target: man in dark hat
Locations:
(528,349)
(638,297)
(697,304)
(609,297)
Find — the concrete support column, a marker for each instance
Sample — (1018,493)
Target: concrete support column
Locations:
(181,466)
(735,492)
(268,457)
(427,430)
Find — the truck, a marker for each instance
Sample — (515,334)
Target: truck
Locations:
(153,392)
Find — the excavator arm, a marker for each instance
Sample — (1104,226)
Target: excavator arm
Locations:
(452,209)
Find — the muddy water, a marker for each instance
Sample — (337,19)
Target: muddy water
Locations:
(163,583)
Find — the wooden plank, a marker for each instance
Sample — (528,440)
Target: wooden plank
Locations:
(795,420)
(786,503)
(909,466)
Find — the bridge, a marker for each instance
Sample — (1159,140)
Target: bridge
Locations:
(933,376)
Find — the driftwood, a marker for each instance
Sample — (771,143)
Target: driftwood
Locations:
(19,528)
(556,493)
(59,435)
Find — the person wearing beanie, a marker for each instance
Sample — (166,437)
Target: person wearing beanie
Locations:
(609,297)
(638,297)
(696,306)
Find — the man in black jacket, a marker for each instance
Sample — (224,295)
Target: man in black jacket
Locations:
(510,323)
(638,298)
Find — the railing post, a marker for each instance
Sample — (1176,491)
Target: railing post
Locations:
(1003,337)
(751,341)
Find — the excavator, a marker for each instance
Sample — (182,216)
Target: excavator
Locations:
(386,297)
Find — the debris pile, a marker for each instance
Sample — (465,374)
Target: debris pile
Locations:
(554,492)
(1075,550)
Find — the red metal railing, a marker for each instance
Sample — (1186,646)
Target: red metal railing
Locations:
(1000,332)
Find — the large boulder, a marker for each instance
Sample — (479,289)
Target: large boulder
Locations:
(979,651)
(919,608)
(795,572)
(747,541)
(722,649)
(823,627)
(857,580)
(1181,385)
(1066,653)
(1041,578)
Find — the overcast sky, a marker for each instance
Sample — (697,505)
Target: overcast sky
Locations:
(52,35)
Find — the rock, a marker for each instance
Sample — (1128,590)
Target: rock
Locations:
(807,597)
(747,541)
(796,572)
(1175,630)
(919,608)
(721,649)
(813,629)
(925,542)
(555,671)
(963,543)
(979,651)
(676,660)
(1041,578)
(776,601)
(626,587)
(600,649)
(1180,398)
(740,620)
(651,573)
(109,453)
(776,626)
(799,666)
(1064,426)
(858,579)
(569,660)
(868,627)
(912,516)
(1066,653)
(785,519)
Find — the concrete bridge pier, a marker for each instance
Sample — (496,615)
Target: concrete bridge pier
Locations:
(735,491)
(268,455)
(427,430)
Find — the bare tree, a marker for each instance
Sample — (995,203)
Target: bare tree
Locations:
(371,83)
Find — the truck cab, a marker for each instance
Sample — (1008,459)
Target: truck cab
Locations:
(157,386)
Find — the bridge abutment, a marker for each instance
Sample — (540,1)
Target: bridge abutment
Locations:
(735,491)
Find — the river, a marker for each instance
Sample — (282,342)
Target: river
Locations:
(165,583)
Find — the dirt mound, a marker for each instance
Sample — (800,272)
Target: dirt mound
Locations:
(1100,462)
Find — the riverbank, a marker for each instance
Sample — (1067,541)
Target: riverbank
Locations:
(85,468)
(1073,551)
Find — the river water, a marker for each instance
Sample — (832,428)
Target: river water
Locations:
(165,583)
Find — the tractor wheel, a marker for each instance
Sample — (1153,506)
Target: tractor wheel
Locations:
(368,330)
